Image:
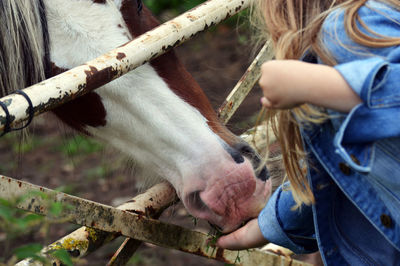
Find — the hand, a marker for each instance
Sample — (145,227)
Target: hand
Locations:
(290,83)
(248,236)
(279,82)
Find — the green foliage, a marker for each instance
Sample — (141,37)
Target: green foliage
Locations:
(63,256)
(136,259)
(16,223)
(194,219)
(67,188)
(176,6)
(101,171)
(21,144)
(29,251)
(214,235)
(79,145)
(56,208)
(237,259)
(26,146)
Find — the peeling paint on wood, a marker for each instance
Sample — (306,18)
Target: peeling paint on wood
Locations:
(82,79)
(244,86)
(86,240)
(116,221)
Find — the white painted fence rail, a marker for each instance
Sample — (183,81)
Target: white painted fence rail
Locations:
(78,81)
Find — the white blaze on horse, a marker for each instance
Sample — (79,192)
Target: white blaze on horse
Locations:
(156,114)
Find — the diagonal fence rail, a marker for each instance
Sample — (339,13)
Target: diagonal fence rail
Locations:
(137,226)
(86,240)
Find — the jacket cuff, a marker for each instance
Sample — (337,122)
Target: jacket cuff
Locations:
(272,226)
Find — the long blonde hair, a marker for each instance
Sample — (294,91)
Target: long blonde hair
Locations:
(293,28)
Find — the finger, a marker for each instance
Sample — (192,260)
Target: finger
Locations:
(248,236)
(265,102)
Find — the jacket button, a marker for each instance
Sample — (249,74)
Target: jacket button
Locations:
(344,168)
(386,221)
(354,159)
(321,186)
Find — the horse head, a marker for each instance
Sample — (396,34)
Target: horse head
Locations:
(157,114)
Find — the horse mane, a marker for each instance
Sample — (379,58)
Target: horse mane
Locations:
(24,44)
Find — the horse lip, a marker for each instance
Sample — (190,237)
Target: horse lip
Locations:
(197,206)
(194,200)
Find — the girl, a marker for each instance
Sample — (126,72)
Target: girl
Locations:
(341,139)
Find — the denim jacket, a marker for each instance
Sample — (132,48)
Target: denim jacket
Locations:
(355,158)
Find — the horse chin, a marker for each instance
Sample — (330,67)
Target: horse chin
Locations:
(244,210)
(230,201)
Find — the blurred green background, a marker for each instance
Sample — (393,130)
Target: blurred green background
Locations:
(176,6)
(168,9)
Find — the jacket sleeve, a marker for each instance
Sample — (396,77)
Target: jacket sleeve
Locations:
(377,81)
(293,229)
(374,74)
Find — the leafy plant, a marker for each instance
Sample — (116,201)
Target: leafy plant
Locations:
(213,238)
(63,256)
(194,219)
(212,241)
(16,223)
(29,251)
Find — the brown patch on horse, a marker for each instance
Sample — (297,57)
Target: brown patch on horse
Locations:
(55,70)
(169,67)
(137,22)
(87,110)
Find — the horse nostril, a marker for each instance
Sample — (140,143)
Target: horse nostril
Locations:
(263,175)
(234,153)
(237,157)
(245,150)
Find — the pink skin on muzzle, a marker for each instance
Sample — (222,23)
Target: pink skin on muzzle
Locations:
(230,197)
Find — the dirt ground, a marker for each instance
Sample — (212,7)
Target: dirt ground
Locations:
(55,157)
